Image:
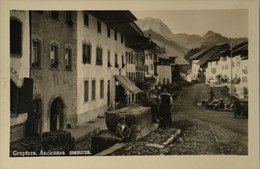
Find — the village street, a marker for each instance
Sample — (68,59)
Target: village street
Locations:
(202,132)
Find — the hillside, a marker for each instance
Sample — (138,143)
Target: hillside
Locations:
(181,43)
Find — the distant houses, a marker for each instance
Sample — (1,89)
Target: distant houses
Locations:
(214,63)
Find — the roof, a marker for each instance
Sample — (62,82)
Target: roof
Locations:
(143,43)
(201,53)
(213,51)
(242,48)
(181,61)
(239,49)
(127,84)
(120,21)
(113,17)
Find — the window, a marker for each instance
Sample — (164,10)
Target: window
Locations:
(213,70)
(151,66)
(68,17)
(15,37)
(126,57)
(115,35)
(244,79)
(54,14)
(123,63)
(86,92)
(36,54)
(68,59)
(146,68)
(226,66)
(54,56)
(244,70)
(99,26)
(108,32)
(116,64)
(86,19)
(108,59)
(86,57)
(99,56)
(93,89)
(122,38)
(101,88)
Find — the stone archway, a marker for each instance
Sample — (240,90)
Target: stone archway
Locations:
(57,114)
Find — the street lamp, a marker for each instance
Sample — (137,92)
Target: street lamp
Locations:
(231,55)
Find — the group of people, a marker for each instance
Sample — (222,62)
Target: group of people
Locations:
(161,107)
(160,103)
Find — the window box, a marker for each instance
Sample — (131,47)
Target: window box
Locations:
(55,64)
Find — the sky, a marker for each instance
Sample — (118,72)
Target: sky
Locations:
(230,23)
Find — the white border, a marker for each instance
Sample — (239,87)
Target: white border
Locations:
(251,161)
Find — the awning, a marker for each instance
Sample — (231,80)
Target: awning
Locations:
(128,85)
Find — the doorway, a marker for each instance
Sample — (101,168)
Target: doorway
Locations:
(56,114)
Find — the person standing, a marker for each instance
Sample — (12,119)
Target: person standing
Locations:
(165,108)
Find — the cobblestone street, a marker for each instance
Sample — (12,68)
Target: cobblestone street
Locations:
(202,132)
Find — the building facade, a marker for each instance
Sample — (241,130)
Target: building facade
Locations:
(104,49)
(54,67)
(20,81)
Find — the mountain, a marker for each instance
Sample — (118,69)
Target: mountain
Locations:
(180,43)
(173,49)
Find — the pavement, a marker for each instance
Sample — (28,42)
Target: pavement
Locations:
(88,129)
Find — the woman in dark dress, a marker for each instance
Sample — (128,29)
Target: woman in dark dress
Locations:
(165,108)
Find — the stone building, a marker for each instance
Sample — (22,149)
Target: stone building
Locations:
(78,62)
(101,78)
(54,68)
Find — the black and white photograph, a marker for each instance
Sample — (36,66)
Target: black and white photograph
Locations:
(166,83)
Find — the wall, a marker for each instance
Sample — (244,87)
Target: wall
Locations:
(164,72)
(88,34)
(130,64)
(20,66)
(149,61)
(49,83)
(19,69)
(195,69)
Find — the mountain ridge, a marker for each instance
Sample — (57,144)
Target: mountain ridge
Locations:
(182,41)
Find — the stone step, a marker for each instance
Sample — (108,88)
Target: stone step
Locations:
(83,132)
